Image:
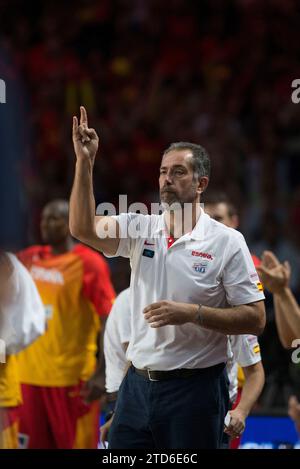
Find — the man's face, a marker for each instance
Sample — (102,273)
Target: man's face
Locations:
(220,213)
(177,183)
(54,226)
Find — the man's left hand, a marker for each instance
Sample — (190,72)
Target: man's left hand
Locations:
(167,313)
(94,389)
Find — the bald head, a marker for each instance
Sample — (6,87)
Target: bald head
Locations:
(55,222)
(59,207)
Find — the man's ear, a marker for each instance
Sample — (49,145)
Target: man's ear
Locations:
(203,183)
(235,221)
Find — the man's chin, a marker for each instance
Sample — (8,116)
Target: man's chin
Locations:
(48,240)
(171,205)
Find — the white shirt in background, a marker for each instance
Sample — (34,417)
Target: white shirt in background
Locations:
(116,338)
(23,318)
(245,352)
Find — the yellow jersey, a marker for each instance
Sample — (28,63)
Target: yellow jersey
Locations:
(76,291)
(10,391)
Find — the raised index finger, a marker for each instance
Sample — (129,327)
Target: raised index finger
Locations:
(83,116)
(269,259)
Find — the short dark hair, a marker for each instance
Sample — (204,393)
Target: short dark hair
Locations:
(217,197)
(201,160)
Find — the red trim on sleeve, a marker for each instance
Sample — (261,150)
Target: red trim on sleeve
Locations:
(256,260)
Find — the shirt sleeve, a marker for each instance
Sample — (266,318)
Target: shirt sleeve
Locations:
(239,275)
(249,351)
(26,312)
(96,283)
(123,314)
(133,226)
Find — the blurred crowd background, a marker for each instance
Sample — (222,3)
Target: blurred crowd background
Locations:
(151,72)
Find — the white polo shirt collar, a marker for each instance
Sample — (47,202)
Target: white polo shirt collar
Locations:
(197,234)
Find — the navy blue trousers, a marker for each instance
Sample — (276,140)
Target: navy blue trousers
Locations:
(172,414)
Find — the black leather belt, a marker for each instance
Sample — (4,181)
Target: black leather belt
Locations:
(154,375)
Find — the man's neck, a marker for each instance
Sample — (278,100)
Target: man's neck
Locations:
(63,247)
(181,222)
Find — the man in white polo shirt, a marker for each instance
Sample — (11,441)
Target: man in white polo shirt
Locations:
(245,354)
(245,369)
(191,286)
(245,362)
(116,340)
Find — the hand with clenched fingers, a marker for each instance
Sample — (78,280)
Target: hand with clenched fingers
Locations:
(85,139)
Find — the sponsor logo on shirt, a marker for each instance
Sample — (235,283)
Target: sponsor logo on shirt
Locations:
(149,244)
(200,267)
(203,255)
(259,286)
(256,349)
(47,275)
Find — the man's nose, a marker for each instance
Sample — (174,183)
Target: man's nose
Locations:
(169,179)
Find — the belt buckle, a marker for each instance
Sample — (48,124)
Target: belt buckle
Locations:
(149,376)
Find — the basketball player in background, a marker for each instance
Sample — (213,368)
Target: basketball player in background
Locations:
(61,381)
(276,278)
(245,369)
(22,320)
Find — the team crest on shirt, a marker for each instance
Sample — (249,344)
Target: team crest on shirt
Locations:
(200,267)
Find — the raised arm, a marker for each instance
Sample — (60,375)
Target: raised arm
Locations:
(276,277)
(82,219)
